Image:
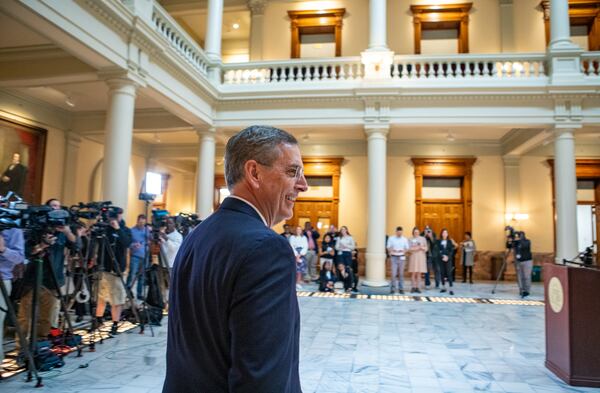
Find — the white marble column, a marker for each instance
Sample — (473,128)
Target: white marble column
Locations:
(376,212)
(565,191)
(377,59)
(117,141)
(507,23)
(73,141)
(377,25)
(205,181)
(257,11)
(512,184)
(560,31)
(212,42)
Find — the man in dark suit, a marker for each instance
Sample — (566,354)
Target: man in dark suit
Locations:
(234,321)
(13,178)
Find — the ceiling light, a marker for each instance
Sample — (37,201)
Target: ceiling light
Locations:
(235,26)
(70,101)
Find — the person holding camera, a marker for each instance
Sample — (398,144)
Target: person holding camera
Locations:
(12,253)
(521,248)
(397,246)
(51,249)
(170,240)
(111,287)
(140,236)
(432,258)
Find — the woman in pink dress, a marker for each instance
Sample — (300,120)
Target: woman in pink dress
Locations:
(417,259)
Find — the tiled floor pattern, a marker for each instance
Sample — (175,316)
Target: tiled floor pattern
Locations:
(359,345)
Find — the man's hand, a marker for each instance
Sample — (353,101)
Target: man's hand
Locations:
(115,224)
(5,179)
(2,244)
(136,245)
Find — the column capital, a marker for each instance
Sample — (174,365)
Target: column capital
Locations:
(377,130)
(205,133)
(73,139)
(257,7)
(511,160)
(117,78)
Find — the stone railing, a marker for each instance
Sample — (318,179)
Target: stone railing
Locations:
(294,70)
(404,67)
(590,63)
(179,40)
(469,66)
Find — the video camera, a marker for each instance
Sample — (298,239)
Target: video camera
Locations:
(101,211)
(185,222)
(159,220)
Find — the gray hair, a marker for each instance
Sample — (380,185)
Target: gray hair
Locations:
(259,143)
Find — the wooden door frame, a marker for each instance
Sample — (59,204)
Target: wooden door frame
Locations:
(445,168)
(325,166)
(315,19)
(585,169)
(581,13)
(440,17)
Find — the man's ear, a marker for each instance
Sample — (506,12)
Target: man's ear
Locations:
(251,169)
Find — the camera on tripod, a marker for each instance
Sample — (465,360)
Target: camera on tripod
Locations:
(36,220)
(159,220)
(186,222)
(101,211)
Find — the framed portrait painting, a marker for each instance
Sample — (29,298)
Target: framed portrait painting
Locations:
(22,151)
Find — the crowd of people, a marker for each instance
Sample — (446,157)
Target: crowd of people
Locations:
(74,259)
(336,258)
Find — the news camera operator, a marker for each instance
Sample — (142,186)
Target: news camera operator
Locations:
(170,240)
(51,249)
(111,287)
(521,249)
(12,253)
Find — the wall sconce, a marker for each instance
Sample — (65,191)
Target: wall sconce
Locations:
(516,216)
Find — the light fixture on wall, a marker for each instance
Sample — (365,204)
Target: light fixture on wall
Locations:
(516,216)
(235,26)
(70,101)
(450,137)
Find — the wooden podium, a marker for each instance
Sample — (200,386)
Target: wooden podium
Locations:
(573,323)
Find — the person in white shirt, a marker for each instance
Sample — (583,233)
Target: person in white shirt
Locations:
(170,241)
(344,245)
(299,244)
(397,246)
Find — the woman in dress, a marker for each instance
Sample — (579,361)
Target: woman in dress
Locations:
(468,257)
(417,259)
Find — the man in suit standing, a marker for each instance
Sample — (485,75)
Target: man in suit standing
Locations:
(234,321)
(13,178)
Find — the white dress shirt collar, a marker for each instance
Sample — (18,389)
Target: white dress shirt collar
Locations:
(252,206)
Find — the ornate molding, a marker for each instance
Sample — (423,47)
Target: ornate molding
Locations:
(257,7)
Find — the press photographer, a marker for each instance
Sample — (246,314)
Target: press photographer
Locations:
(521,249)
(12,253)
(112,261)
(50,247)
(170,240)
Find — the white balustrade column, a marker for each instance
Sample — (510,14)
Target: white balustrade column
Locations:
(376,212)
(565,186)
(560,31)
(257,12)
(73,141)
(117,141)
(205,181)
(214,23)
(377,25)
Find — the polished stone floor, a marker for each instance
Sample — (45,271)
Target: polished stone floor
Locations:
(362,345)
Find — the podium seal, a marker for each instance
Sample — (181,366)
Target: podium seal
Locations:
(556,296)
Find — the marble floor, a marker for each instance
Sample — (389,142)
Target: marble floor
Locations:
(360,345)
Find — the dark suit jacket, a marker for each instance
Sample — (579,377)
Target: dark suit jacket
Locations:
(234,322)
(16,183)
(447,251)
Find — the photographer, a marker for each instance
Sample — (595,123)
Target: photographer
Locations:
(51,249)
(12,253)
(170,241)
(112,289)
(432,258)
(521,248)
(140,235)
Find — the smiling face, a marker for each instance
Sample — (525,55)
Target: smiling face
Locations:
(278,185)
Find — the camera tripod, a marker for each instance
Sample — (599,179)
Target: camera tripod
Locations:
(501,271)
(10,310)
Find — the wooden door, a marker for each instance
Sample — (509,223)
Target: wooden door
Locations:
(439,215)
(313,211)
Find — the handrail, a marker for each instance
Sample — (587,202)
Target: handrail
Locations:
(179,39)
